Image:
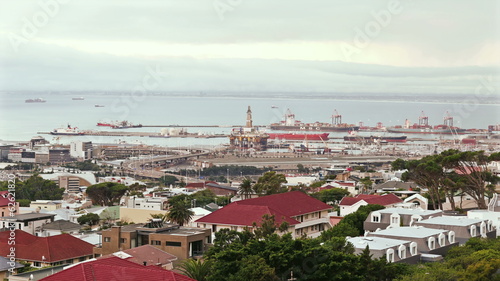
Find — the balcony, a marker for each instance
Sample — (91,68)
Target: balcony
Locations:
(312,222)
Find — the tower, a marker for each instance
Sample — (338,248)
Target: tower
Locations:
(249,118)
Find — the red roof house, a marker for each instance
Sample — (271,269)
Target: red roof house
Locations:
(115,268)
(147,254)
(303,213)
(45,251)
(5,198)
(351,204)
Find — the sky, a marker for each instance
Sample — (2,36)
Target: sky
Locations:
(333,46)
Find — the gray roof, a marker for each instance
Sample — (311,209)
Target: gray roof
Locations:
(454,221)
(29,217)
(375,243)
(405,211)
(396,185)
(4,264)
(62,225)
(410,231)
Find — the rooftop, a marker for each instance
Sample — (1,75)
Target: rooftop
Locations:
(454,221)
(375,243)
(29,217)
(413,231)
(384,200)
(417,211)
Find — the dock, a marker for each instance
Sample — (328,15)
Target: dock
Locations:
(137,134)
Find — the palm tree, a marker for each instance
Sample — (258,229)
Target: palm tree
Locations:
(179,213)
(246,188)
(196,269)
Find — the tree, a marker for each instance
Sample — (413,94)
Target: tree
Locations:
(246,188)
(255,268)
(106,193)
(301,169)
(270,183)
(169,180)
(331,195)
(36,188)
(196,269)
(24,202)
(180,213)
(268,226)
(90,219)
(367,183)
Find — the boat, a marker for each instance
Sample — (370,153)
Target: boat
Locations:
(66,131)
(423,127)
(78,98)
(98,105)
(298,136)
(105,124)
(274,106)
(39,100)
(290,124)
(125,125)
(374,139)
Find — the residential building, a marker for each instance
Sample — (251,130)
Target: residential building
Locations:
(182,242)
(350,205)
(31,222)
(46,205)
(463,227)
(59,227)
(394,185)
(146,255)
(151,203)
(8,204)
(45,251)
(492,216)
(396,217)
(427,240)
(394,250)
(305,215)
(115,268)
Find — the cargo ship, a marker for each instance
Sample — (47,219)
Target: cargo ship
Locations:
(66,131)
(35,100)
(423,127)
(374,139)
(299,136)
(290,124)
(78,98)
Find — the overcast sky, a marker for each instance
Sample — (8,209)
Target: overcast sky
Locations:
(425,46)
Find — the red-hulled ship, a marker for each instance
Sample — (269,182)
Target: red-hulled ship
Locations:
(293,136)
(105,124)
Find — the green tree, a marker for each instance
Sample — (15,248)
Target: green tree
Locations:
(24,202)
(331,195)
(90,219)
(246,188)
(180,213)
(106,193)
(168,180)
(270,183)
(255,268)
(36,188)
(196,269)
(268,226)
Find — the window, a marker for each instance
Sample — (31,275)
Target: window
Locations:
(37,264)
(390,255)
(473,230)
(155,243)
(69,261)
(107,239)
(173,244)
(306,217)
(81,259)
(402,252)
(482,229)
(395,220)
(431,242)
(451,237)
(413,248)
(441,240)
(123,240)
(376,217)
(234,228)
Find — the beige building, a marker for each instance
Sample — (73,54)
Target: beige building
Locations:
(46,205)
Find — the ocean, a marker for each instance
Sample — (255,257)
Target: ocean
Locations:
(21,121)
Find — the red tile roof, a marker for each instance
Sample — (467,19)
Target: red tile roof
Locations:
(199,184)
(115,269)
(4,198)
(384,200)
(283,206)
(147,253)
(53,248)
